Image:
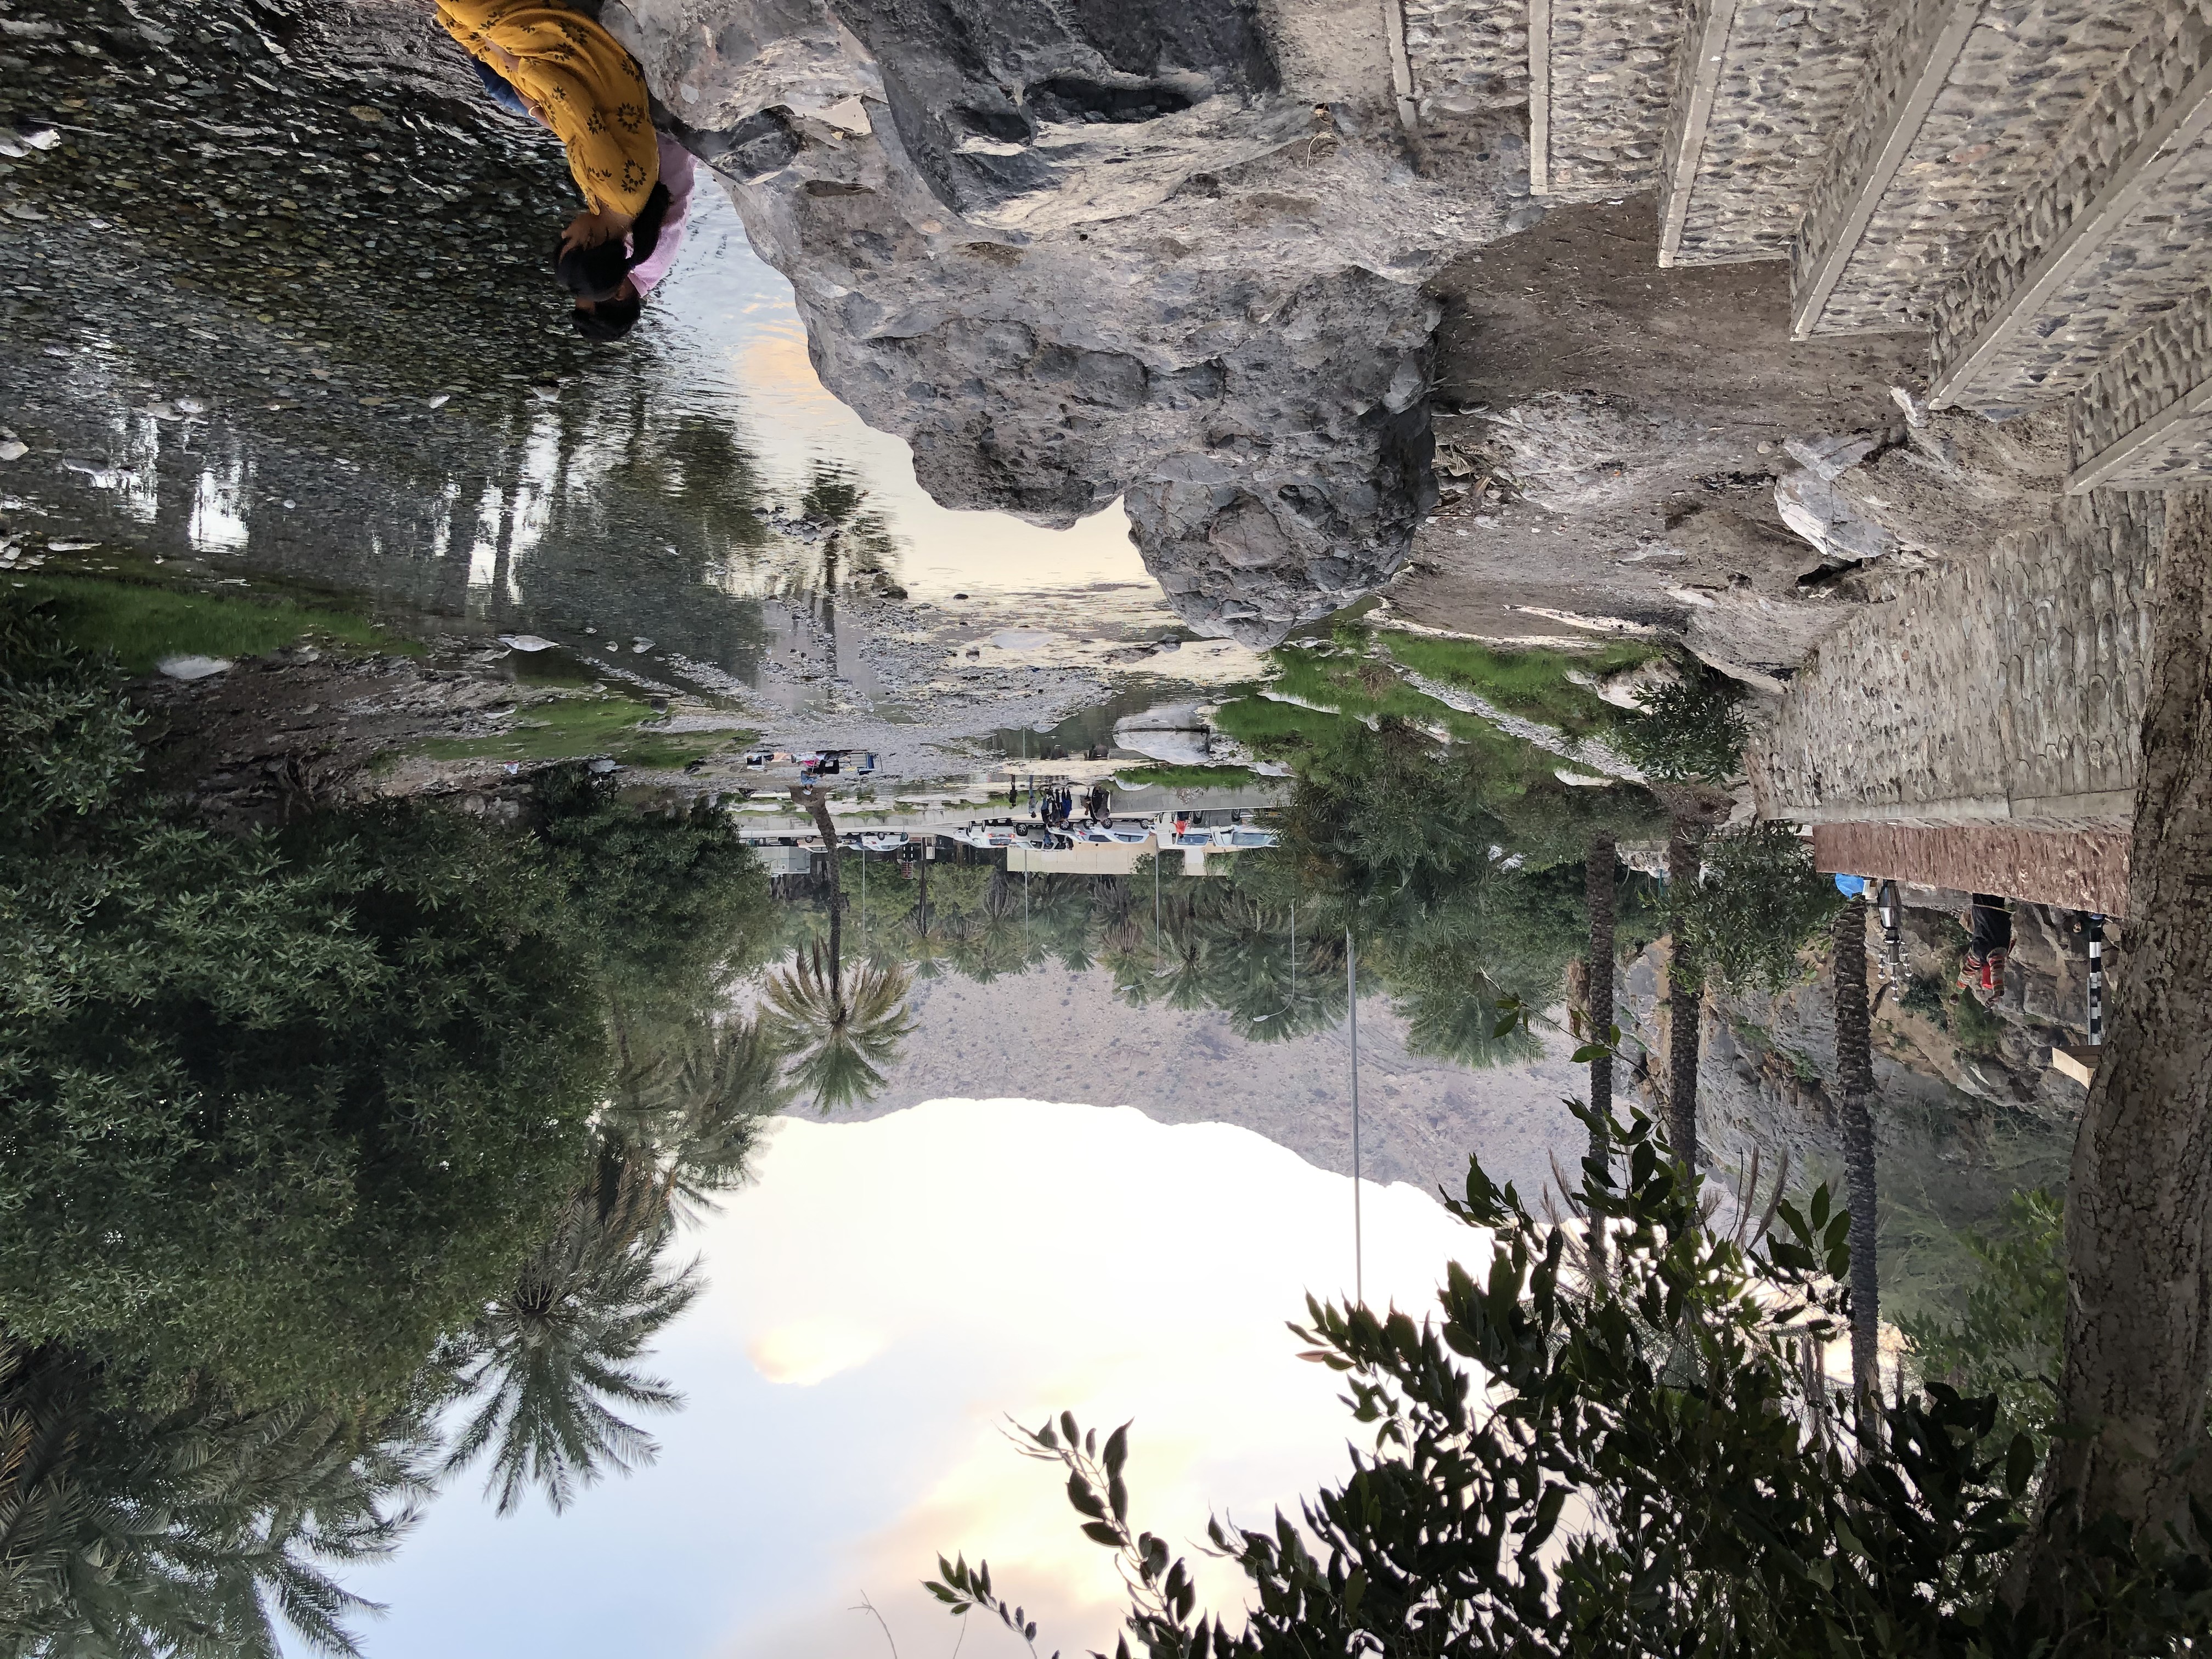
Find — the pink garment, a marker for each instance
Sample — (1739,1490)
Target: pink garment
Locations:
(676,172)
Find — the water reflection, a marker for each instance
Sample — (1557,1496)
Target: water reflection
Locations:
(845,1407)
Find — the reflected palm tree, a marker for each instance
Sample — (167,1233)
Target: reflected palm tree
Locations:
(838,1037)
(694,1108)
(838,1044)
(545,1367)
(198,1528)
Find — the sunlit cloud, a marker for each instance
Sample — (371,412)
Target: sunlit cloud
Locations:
(811,1351)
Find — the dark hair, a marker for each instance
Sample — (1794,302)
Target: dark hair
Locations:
(596,273)
(608,319)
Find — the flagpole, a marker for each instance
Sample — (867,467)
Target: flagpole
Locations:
(1351,1001)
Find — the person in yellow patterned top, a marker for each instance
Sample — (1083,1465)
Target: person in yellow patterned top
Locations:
(577,80)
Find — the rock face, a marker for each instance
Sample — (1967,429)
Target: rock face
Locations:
(1168,252)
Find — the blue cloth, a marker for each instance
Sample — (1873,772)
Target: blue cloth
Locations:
(1851,886)
(502,93)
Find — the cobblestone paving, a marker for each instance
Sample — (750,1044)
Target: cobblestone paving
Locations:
(2142,270)
(2023,75)
(2003,687)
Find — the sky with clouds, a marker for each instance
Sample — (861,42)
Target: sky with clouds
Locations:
(882,1298)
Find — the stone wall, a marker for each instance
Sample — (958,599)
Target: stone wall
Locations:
(2127,278)
(1787,75)
(2021,76)
(1467,56)
(1611,73)
(2147,376)
(2002,687)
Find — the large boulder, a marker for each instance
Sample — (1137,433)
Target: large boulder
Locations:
(1170,251)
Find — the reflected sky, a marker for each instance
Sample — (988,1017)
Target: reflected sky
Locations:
(731,341)
(880,1299)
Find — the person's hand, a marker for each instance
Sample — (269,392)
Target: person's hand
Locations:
(590,229)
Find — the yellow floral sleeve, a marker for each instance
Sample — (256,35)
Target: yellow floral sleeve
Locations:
(582,83)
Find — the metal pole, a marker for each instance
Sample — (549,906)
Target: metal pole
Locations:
(1892,949)
(1294,962)
(2096,980)
(1155,897)
(1351,1001)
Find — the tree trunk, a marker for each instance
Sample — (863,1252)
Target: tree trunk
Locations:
(1597,1011)
(1686,996)
(2137,1357)
(1855,1097)
(818,803)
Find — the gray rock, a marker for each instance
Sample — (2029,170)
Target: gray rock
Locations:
(1087,253)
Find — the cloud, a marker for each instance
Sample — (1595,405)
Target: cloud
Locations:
(809,1350)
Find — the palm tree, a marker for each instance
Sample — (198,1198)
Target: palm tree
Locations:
(838,1042)
(196,1529)
(1686,996)
(1854,1089)
(695,1108)
(545,1365)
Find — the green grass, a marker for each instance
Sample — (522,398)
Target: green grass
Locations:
(1532,684)
(1348,690)
(1977,1029)
(141,624)
(572,728)
(1166,776)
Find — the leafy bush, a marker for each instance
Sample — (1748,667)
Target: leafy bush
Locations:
(2006,1345)
(1691,728)
(1758,903)
(1635,1461)
(276,1106)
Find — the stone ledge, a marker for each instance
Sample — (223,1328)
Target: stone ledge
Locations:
(2104,244)
(2082,869)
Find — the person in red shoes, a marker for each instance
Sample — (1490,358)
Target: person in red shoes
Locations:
(1989,941)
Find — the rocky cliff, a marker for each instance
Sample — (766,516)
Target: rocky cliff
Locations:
(1169,251)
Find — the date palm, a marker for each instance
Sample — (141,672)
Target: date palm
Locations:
(198,1528)
(545,1367)
(838,1036)
(691,1102)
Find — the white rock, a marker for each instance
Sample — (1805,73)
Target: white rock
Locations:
(43,138)
(193,668)
(12,449)
(1831,458)
(526,643)
(442,400)
(192,406)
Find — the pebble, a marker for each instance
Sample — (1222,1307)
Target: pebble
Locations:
(192,668)
(12,449)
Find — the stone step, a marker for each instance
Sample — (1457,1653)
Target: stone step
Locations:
(1600,74)
(1959,110)
(1762,89)
(2109,240)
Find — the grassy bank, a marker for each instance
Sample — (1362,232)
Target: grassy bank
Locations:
(1531,683)
(571,728)
(142,623)
(1166,776)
